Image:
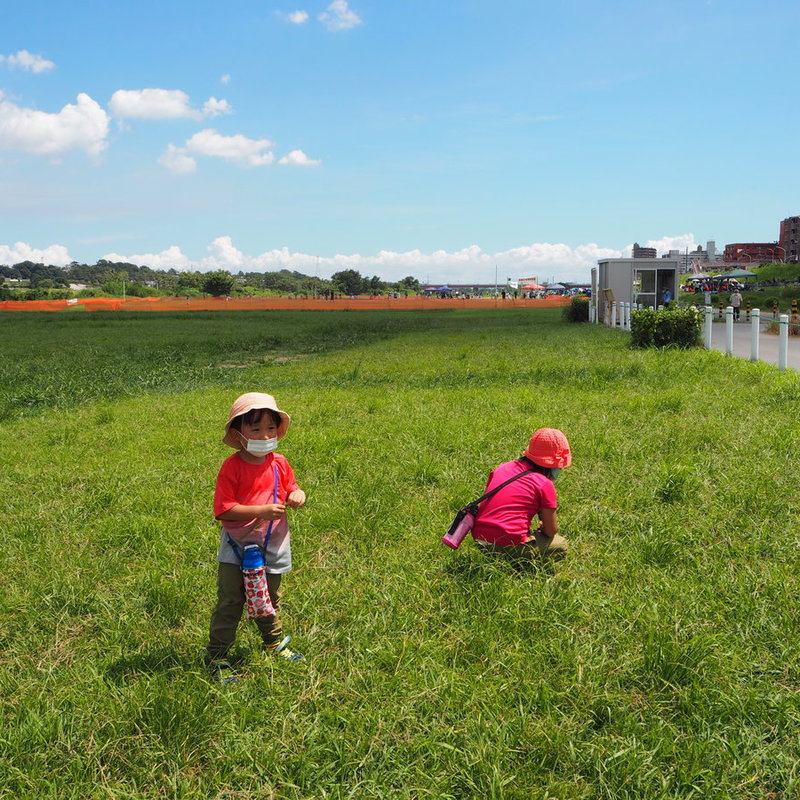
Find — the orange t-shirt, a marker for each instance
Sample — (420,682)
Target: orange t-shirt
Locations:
(240,483)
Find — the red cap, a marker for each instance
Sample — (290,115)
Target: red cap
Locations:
(549,447)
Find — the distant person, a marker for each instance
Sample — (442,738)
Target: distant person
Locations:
(666,297)
(503,525)
(254,488)
(736,303)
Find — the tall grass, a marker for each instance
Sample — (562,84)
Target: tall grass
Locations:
(661,659)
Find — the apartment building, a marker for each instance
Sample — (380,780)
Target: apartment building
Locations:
(790,240)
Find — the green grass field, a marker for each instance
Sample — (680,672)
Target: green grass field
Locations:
(661,659)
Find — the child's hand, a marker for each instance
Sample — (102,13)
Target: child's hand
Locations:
(296,498)
(541,531)
(272,511)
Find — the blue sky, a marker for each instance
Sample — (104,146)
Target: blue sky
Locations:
(444,139)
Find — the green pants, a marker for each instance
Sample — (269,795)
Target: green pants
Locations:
(540,545)
(230,604)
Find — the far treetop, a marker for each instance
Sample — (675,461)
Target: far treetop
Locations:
(110,275)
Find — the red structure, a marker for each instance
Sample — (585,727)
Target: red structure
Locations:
(752,253)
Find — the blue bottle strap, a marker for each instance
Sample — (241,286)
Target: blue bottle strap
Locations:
(274,500)
(234,547)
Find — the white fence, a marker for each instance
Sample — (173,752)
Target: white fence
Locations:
(755,333)
(618,315)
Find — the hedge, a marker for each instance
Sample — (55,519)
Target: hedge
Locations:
(577,310)
(678,327)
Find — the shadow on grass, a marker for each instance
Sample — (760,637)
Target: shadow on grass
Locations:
(160,660)
(481,567)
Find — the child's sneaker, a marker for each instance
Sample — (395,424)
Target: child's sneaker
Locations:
(281,650)
(222,671)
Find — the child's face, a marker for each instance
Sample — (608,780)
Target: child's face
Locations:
(265,428)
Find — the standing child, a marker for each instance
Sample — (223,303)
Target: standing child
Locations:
(503,523)
(254,488)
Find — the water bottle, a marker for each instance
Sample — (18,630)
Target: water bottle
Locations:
(252,557)
(256,591)
(461,526)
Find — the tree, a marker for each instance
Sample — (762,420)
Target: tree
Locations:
(350,281)
(190,280)
(167,282)
(408,284)
(283,281)
(218,283)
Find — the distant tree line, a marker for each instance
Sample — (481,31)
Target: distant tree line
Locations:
(30,280)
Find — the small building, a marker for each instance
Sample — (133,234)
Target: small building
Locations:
(698,260)
(789,248)
(643,281)
(643,252)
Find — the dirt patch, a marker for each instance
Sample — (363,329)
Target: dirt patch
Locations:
(264,360)
(285,359)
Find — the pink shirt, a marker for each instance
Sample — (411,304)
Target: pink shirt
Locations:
(505,519)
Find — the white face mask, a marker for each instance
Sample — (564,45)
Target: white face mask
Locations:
(261,447)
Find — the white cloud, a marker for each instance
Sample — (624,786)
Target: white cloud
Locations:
(56,254)
(223,255)
(151,104)
(471,264)
(83,126)
(214,108)
(177,160)
(667,243)
(237,148)
(172,257)
(27,61)
(339,16)
(299,159)
(226,79)
(544,260)
(296,17)
(162,104)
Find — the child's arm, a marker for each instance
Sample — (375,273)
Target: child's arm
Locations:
(549,526)
(296,498)
(266,511)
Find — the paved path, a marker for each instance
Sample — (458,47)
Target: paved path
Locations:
(767,345)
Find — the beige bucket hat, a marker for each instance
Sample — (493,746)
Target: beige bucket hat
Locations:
(249,402)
